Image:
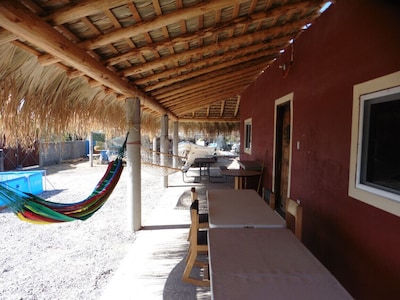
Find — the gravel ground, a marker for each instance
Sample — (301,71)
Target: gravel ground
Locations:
(72,260)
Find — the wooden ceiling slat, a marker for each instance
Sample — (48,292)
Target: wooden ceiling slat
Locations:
(33,29)
(207,89)
(231,88)
(222,108)
(237,107)
(248,39)
(164,20)
(201,103)
(81,9)
(209,120)
(230,71)
(184,58)
(179,81)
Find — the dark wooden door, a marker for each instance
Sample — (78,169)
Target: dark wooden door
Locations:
(282,157)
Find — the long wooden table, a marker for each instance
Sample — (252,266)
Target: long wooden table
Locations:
(240,208)
(267,263)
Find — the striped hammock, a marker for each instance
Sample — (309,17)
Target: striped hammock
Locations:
(33,209)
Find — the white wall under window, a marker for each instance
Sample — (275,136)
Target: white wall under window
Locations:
(377,91)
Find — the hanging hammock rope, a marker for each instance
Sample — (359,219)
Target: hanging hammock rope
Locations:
(31,208)
(159,163)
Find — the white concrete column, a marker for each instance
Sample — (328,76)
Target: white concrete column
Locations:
(164,145)
(175,141)
(134,187)
(155,161)
(91,149)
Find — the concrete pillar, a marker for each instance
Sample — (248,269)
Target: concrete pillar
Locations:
(134,190)
(164,145)
(175,141)
(155,161)
(91,149)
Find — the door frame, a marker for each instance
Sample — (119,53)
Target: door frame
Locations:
(287,99)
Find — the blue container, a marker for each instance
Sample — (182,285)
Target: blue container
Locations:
(24,181)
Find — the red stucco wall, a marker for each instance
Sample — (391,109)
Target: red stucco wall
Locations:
(352,42)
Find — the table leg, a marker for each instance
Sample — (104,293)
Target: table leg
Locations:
(238,183)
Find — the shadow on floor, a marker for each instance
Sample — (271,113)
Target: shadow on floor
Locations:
(176,289)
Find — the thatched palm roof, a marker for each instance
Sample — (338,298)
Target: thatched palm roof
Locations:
(74,62)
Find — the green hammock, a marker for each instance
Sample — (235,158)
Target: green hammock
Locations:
(31,208)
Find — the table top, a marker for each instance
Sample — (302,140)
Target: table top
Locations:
(254,165)
(205,160)
(261,263)
(240,172)
(240,208)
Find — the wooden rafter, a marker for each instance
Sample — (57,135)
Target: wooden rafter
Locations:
(180,57)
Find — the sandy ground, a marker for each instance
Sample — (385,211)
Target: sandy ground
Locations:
(72,260)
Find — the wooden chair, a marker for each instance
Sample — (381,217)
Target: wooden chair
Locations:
(197,245)
(271,199)
(203,217)
(294,209)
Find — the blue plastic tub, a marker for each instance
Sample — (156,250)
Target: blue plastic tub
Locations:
(24,181)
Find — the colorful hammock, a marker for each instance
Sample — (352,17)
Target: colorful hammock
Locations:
(33,209)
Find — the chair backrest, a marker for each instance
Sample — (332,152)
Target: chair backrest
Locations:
(193,193)
(293,208)
(194,217)
(272,201)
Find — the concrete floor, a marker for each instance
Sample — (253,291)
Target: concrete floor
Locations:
(154,264)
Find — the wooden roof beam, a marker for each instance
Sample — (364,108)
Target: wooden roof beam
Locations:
(81,9)
(207,79)
(274,30)
(222,108)
(201,103)
(209,120)
(205,90)
(159,22)
(184,14)
(215,71)
(207,32)
(204,97)
(197,52)
(205,102)
(205,66)
(85,8)
(230,88)
(237,106)
(19,20)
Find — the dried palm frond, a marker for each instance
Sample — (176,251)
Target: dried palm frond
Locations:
(43,102)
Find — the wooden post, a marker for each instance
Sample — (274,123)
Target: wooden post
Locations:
(134,192)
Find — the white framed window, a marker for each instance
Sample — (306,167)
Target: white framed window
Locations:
(247,135)
(375,143)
